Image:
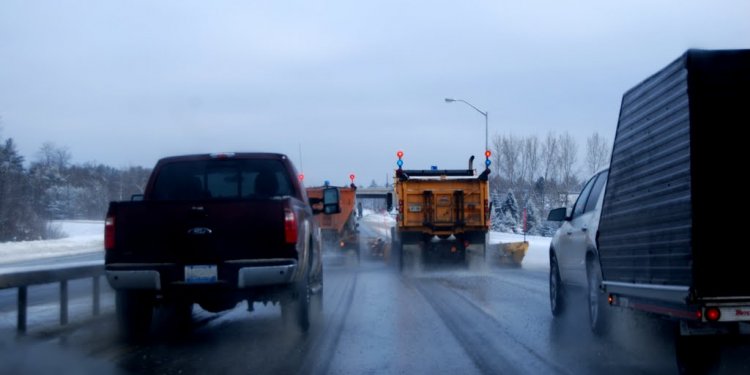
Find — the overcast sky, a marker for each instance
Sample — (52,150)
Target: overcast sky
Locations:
(351,82)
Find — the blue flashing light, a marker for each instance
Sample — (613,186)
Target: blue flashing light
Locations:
(434,167)
(327,183)
(487,162)
(400,163)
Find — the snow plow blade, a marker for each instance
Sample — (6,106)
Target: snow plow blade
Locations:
(512,253)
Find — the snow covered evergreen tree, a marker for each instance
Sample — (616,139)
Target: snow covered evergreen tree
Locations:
(510,206)
(18,220)
(533,222)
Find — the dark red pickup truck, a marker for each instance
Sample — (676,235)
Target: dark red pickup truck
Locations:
(216,230)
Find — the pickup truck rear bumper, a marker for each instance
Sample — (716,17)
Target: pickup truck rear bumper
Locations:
(235,274)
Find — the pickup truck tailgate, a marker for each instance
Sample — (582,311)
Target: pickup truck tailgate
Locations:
(207,232)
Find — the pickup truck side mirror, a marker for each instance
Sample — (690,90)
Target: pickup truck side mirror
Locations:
(389,201)
(558,214)
(330,202)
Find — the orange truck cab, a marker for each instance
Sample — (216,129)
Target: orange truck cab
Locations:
(339,231)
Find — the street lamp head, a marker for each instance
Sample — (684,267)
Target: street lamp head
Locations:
(449,100)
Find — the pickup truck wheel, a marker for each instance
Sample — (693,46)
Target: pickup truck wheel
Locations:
(180,313)
(597,303)
(556,295)
(134,313)
(295,309)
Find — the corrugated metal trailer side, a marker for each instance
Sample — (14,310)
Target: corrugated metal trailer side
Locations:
(663,227)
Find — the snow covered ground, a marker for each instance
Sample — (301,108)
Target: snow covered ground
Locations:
(87,236)
(536,257)
(83,236)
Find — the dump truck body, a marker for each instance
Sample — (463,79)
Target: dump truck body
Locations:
(441,212)
(339,231)
(442,207)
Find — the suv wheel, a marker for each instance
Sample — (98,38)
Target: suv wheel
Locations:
(597,303)
(556,295)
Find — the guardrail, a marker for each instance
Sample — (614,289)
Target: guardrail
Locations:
(25,278)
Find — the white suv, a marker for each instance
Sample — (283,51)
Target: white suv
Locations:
(573,254)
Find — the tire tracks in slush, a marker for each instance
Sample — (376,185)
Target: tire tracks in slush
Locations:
(489,344)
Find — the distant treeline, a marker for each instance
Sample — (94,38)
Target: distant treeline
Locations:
(51,187)
(532,173)
(539,174)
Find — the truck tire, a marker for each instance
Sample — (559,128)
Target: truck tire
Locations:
(597,304)
(696,354)
(134,313)
(556,294)
(400,251)
(296,310)
(180,313)
(396,252)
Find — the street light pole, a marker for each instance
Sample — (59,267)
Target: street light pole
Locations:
(486,119)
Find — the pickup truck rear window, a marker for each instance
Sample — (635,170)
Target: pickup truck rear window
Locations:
(221,179)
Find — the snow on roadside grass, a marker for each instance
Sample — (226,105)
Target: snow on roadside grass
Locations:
(536,257)
(84,236)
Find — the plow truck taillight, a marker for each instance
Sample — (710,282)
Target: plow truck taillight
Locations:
(290,226)
(109,233)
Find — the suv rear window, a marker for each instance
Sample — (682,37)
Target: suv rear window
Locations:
(221,179)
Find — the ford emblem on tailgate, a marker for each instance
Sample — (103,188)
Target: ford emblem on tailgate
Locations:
(200,231)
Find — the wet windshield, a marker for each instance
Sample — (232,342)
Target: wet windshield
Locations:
(514,187)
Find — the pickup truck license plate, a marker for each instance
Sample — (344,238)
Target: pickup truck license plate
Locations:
(200,274)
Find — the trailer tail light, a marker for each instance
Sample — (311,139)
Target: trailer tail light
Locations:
(109,233)
(400,209)
(611,299)
(290,226)
(713,314)
(487,212)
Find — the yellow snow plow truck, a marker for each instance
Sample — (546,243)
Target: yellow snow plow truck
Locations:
(441,214)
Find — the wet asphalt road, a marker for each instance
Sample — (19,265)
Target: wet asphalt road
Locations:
(443,319)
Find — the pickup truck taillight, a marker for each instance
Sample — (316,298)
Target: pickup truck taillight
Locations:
(290,226)
(109,233)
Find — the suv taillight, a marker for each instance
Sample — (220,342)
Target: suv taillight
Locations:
(109,233)
(290,226)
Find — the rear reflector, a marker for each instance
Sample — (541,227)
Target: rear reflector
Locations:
(290,226)
(109,233)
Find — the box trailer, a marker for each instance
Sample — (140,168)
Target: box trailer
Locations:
(669,240)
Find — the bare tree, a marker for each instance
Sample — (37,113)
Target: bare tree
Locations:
(597,153)
(549,156)
(531,158)
(510,158)
(497,179)
(567,159)
(549,167)
(53,157)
